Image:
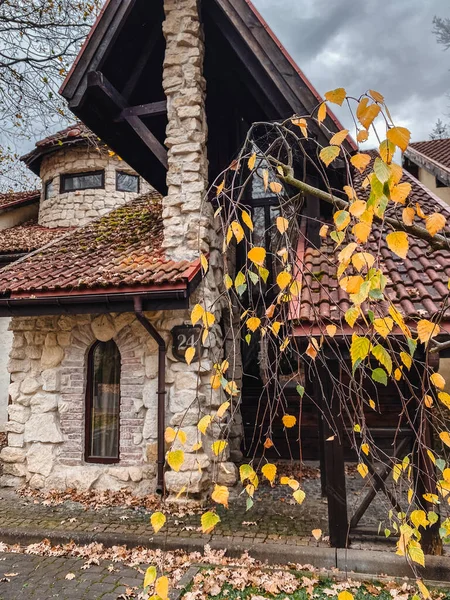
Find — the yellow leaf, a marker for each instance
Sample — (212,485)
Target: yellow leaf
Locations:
(377,96)
(423,590)
(283,279)
(265,175)
(434,223)
(341,219)
(408,215)
(170,435)
(427,330)
(419,518)
(360,161)
(228,281)
(350,193)
(175,459)
(398,374)
(317,534)
(158,521)
(322,112)
(363,136)
(220,495)
(299,496)
(253,323)
(383,326)
(237,230)
(276,326)
(282,224)
(352,315)
(328,154)
(396,472)
(444,398)
(400,192)
(231,388)
(398,243)
(204,423)
(361,231)
(399,136)
(338,137)
(246,472)
(406,359)
(383,356)
(362,470)
(420,212)
(396,173)
(197,313)
(387,151)
(323,231)
(252,161)
(351,284)
(189,355)
(257,255)
(357,208)
(208,319)
(289,421)
(331,330)
(269,471)
(445,437)
(276,187)
(365,113)
(345,595)
(204,263)
(432,498)
(162,587)
(365,448)
(346,253)
(302,124)
(219,446)
(416,553)
(336,96)
(222,409)
(359,348)
(246,218)
(438,381)
(428,400)
(220,187)
(372,404)
(150,576)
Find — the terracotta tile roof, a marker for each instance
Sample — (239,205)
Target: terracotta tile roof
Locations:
(27,237)
(120,250)
(436,150)
(416,286)
(15,199)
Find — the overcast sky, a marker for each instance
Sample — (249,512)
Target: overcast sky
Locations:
(371,44)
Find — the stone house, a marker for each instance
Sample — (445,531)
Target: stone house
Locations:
(101,317)
(429,162)
(64,162)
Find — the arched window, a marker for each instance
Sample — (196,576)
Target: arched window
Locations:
(103,403)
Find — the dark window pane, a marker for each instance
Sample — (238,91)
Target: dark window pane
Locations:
(48,191)
(104,402)
(125,182)
(82,181)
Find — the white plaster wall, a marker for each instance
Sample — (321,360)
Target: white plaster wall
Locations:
(79,207)
(429,181)
(17,216)
(6,338)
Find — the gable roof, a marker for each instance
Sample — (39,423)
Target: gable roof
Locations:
(121,251)
(433,156)
(125,49)
(12,200)
(416,286)
(74,135)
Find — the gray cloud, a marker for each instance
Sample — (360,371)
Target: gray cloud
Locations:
(387,46)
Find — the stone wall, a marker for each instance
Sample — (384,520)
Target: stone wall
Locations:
(184,85)
(47,415)
(79,207)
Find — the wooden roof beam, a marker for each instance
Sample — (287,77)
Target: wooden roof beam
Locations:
(115,103)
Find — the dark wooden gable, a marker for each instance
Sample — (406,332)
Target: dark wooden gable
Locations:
(115,86)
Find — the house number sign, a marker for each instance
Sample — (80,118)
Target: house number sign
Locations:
(184,337)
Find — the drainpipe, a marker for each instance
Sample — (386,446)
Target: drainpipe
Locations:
(161,389)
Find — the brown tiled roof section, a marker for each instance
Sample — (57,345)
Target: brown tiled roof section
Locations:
(27,237)
(15,199)
(121,249)
(437,150)
(417,286)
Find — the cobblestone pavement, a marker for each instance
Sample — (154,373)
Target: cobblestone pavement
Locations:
(43,578)
(275,517)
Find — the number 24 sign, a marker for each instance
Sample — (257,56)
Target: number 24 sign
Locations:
(184,337)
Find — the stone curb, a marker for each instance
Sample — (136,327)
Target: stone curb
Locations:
(370,562)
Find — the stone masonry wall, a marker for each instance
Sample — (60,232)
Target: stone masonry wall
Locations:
(79,207)
(47,414)
(184,85)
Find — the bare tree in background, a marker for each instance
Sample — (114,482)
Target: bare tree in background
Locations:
(39,40)
(441,29)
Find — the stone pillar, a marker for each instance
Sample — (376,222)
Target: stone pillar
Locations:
(187,176)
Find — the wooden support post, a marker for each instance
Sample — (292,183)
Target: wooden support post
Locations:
(328,401)
(323,471)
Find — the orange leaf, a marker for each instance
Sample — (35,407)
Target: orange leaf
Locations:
(336,96)
(399,136)
(360,161)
